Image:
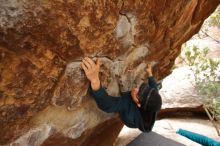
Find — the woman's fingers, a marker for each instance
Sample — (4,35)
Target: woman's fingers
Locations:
(86,63)
(98,63)
(90,61)
(90,65)
(84,67)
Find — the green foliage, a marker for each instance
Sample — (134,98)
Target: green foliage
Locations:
(215,18)
(206,77)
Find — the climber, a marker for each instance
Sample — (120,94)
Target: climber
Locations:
(138,108)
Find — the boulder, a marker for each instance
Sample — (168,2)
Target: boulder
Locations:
(44,97)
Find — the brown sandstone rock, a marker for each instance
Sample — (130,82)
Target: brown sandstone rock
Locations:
(43,91)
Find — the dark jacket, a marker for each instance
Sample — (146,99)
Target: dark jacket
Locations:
(127,108)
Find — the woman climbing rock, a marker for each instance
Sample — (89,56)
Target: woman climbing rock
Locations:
(137,108)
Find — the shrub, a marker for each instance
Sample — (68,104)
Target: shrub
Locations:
(205,71)
(215,18)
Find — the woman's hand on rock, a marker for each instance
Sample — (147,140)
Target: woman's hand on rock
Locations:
(149,69)
(91,70)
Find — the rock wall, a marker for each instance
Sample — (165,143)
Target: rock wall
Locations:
(43,90)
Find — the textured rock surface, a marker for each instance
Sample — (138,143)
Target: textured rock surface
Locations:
(43,91)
